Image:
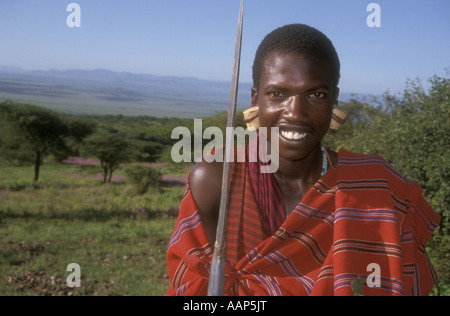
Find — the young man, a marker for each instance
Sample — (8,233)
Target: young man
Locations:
(323,219)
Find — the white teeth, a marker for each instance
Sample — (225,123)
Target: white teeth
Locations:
(293,135)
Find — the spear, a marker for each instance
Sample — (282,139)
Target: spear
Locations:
(217,275)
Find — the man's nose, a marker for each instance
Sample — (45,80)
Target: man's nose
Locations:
(295,109)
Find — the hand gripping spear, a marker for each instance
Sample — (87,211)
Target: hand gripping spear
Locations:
(217,275)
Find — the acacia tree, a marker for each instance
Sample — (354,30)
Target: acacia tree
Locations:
(35,132)
(111,150)
(43,130)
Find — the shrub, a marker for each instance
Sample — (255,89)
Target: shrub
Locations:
(142,178)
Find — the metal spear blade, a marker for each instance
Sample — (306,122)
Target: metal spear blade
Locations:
(217,275)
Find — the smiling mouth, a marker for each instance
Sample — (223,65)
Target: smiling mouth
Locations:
(293,135)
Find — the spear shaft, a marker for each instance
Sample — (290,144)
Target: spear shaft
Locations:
(216,283)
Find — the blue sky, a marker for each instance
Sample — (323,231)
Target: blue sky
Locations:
(195,38)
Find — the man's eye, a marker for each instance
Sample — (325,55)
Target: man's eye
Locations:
(275,95)
(318,95)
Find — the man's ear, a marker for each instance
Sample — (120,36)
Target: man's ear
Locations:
(255,96)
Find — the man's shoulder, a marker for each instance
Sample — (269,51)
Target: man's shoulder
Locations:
(367,164)
(349,158)
(206,172)
(359,166)
(205,182)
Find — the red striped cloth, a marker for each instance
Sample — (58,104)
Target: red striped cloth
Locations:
(268,194)
(362,212)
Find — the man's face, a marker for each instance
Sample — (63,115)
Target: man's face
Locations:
(295,93)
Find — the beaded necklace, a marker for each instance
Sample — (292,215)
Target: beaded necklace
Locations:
(325,159)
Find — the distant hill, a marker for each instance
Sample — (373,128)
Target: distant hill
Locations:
(102,92)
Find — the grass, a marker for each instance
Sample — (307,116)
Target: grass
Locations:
(117,237)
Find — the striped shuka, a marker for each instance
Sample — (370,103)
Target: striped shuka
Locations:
(361,212)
